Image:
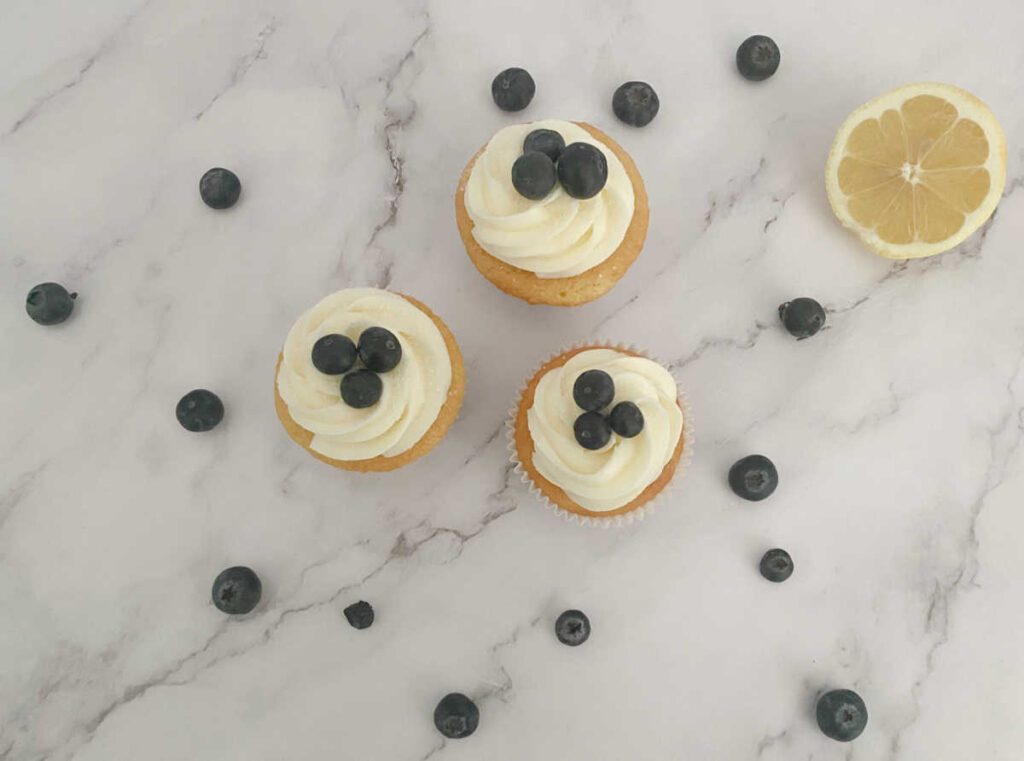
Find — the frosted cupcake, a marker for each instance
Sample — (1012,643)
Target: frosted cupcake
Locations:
(369,380)
(560,232)
(599,432)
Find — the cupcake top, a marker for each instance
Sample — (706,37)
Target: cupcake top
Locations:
(366,372)
(558,235)
(589,440)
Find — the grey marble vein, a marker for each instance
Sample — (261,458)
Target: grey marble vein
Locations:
(243,65)
(101,50)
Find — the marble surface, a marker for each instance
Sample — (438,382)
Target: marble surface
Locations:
(897,431)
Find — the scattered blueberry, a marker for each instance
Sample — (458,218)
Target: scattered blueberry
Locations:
(592,430)
(626,419)
(572,628)
(803,317)
(776,565)
(220,188)
(360,615)
(361,389)
(593,390)
(546,141)
(50,303)
(842,715)
(334,354)
(635,103)
(237,590)
(758,57)
(199,410)
(513,89)
(379,349)
(754,477)
(582,170)
(534,175)
(456,716)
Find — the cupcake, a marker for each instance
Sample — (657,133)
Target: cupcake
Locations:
(560,232)
(369,380)
(599,432)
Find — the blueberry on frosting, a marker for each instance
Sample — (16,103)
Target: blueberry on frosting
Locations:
(361,389)
(379,349)
(582,170)
(626,419)
(334,354)
(220,188)
(547,141)
(534,175)
(593,390)
(592,430)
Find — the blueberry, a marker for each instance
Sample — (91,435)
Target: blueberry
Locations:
(361,389)
(758,57)
(841,715)
(534,175)
(802,317)
(237,590)
(593,390)
(334,354)
(592,430)
(776,565)
(572,628)
(360,615)
(379,349)
(546,141)
(635,103)
(513,89)
(582,170)
(50,303)
(456,716)
(754,477)
(220,188)
(199,410)
(626,419)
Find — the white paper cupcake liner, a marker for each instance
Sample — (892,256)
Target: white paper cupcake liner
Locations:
(624,519)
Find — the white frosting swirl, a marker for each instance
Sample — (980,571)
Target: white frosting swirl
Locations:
(610,477)
(558,236)
(413,393)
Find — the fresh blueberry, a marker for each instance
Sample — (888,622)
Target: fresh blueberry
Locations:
(842,715)
(379,349)
(758,57)
(334,354)
(199,410)
(50,303)
(635,103)
(593,390)
(582,170)
(361,389)
(456,716)
(592,430)
(803,317)
(534,175)
(547,141)
(776,565)
(626,419)
(513,89)
(572,628)
(237,590)
(754,477)
(220,188)
(360,614)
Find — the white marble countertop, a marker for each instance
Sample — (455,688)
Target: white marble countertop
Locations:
(897,432)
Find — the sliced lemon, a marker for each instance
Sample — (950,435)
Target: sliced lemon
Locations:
(917,170)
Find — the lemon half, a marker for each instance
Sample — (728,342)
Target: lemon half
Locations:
(917,170)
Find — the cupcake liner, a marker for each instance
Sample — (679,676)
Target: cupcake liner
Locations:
(623,519)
